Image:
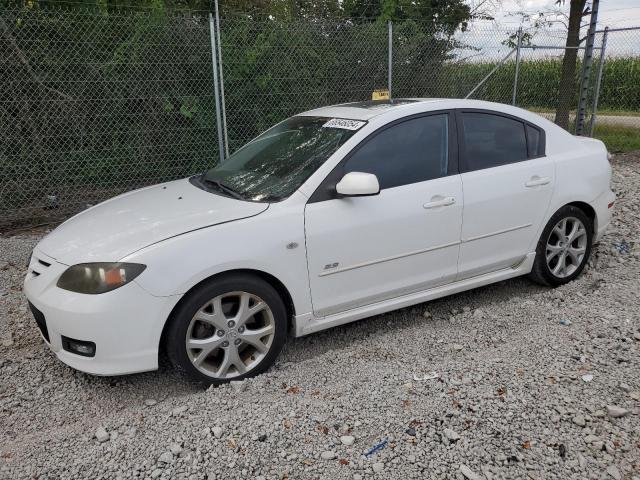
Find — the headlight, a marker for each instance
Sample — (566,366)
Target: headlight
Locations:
(94,278)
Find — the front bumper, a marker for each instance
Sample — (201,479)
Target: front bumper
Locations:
(125,324)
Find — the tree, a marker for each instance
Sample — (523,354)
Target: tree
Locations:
(573,23)
(567,85)
(443,16)
(108,95)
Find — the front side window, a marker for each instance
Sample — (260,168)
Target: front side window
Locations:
(413,151)
(492,140)
(275,164)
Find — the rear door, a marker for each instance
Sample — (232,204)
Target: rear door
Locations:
(361,250)
(507,181)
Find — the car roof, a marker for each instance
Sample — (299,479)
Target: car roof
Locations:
(365,110)
(374,108)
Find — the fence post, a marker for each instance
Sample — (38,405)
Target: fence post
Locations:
(214,62)
(224,110)
(390,51)
(596,94)
(586,69)
(515,80)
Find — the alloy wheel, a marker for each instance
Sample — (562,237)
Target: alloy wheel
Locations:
(566,247)
(230,334)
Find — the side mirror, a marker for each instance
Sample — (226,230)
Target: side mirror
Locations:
(358,184)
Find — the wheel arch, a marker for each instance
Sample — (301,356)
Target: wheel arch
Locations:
(589,211)
(267,277)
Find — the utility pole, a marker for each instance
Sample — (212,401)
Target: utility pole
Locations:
(596,94)
(390,54)
(515,78)
(586,68)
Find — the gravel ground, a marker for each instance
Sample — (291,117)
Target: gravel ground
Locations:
(533,383)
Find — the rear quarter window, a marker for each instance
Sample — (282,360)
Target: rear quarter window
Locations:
(535,144)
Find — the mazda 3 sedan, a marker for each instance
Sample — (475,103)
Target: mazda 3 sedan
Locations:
(331,216)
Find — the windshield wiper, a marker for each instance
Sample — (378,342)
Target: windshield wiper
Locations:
(222,187)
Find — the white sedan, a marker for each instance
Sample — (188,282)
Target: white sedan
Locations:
(331,216)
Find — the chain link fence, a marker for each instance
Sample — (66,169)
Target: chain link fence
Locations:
(619,92)
(274,69)
(93,104)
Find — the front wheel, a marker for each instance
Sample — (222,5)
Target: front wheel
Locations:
(227,329)
(564,247)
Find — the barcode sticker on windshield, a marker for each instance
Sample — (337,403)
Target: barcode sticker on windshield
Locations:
(344,123)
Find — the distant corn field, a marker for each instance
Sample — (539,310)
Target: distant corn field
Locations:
(538,83)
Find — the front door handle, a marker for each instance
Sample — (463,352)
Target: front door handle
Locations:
(537,181)
(439,201)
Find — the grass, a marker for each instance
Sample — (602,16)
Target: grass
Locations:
(618,139)
(603,112)
(618,113)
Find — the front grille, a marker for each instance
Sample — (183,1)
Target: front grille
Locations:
(40,321)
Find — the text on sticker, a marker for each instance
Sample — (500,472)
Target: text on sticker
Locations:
(344,123)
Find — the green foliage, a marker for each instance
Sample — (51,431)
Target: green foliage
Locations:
(97,100)
(103,96)
(442,16)
(98,104)
(276,69)
(618,138)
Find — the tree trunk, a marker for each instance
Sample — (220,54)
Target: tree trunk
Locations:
(566,91)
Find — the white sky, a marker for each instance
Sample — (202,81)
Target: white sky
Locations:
(612,13)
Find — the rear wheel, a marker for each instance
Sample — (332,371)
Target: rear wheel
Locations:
(228,329)
(564,247)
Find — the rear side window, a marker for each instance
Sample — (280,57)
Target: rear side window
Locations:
(413,151)
(492,140)
(533,142)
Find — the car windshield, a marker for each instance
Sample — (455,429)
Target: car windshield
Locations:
(275,164)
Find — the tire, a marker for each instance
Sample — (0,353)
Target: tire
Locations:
(548,270)
(217,316)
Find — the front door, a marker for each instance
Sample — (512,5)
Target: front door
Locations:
(363,250)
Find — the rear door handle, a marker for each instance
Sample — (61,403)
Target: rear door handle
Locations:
(439,201)
(537,181)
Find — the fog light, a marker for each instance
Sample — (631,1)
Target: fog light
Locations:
(79,347)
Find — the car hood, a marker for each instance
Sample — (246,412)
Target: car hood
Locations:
(120,226)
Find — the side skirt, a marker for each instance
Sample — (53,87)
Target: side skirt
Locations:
(307,323)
